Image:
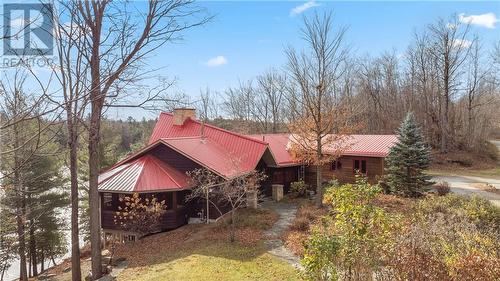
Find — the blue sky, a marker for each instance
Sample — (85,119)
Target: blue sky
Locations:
(247,38)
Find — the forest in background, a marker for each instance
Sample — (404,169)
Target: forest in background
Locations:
(447,76)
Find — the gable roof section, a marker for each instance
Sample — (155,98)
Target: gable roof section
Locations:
(357,145)
(278,144)
(146,173)
(212,155)
(222,151)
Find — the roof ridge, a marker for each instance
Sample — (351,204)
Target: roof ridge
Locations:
(227,131)
(185,137)
(218,128)
(144,159)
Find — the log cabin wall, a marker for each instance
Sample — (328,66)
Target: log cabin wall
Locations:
(176,213)
(281,175)
(343,170)
(174,158)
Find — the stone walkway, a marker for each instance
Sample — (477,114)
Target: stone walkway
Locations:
(286,212)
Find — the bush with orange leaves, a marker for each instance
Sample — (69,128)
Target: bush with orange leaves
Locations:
(139,215)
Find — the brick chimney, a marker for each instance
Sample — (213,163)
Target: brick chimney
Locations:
(182,114)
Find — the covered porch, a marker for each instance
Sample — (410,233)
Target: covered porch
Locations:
(175,215)
(148,177)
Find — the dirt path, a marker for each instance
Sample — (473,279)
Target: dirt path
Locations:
(286,212)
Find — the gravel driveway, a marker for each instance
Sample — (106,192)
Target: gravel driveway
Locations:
(465,184)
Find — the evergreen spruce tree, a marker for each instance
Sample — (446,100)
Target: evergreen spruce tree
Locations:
(7,240)
(407,160)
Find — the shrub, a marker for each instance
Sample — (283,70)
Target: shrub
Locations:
(382,182)
(300,224)
(320,254)
(308,212)
(299,188)
(333,183)
(448,238)
(476,210)
(491,151)
(251,218)
(463,161)
(360,230)
(412,256)
(442,188)
(139,215)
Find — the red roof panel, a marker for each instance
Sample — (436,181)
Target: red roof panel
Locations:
(144,174)
(357,145)
(220,150)
(278,143)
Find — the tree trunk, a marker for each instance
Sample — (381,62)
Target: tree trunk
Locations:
(97,102)
(95,226)
(23,272)
(20,209)
(2,272)
(319,187)
(76,272)
(33,250)
(232,225)
(470,136)
(42,259)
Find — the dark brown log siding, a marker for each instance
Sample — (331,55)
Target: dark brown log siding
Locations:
(174,158)
(374,169)
(283,175)
(176,214)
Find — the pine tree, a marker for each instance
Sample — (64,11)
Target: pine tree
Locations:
(7,240)
(407,160)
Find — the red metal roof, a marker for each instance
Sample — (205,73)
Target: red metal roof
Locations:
(370,145)
(212,155)
(144,174)
(278,143)
(222,151)
(356,145)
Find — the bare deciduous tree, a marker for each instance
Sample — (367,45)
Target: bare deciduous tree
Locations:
(268,108)
(218,191)
(316,71)
(115,48)
(449,50)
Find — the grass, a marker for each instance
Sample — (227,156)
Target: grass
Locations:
(204,252)
(493,173)
(209,260)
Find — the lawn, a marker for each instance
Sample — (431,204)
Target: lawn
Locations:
(214,260)
(201,252)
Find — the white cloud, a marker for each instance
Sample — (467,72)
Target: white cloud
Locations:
(301,8)
(216,61)
(459,43)
(487,20)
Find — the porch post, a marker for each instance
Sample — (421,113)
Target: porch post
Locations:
(174,200)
